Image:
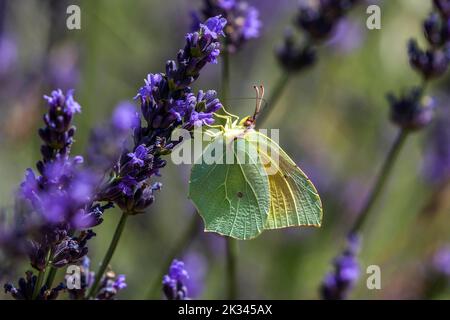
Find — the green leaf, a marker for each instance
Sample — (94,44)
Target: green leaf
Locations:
(233,199)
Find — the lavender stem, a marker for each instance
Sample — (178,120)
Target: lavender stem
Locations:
(225,83)
(38,284)
(106,260)
(181,244)
(380,180)
(51,277)
(232,252)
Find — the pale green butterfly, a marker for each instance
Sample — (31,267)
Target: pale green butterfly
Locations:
(252,185)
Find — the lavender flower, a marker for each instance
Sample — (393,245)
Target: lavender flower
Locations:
(108,140)
(26,288)
(441,262)
(167,102)
(294,57)
(411,111)
(8,55)
(110,286)
(174,283)
(86,280)
(60,200)
(338,284)
(195,264)
(319,23)
(437,153)
(433,62)
(243,20)
(443,7)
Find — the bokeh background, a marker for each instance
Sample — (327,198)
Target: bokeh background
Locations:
(333,121)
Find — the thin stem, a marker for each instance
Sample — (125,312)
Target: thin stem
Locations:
(274,97)
(380,180)
(232,252)
(51,277)
(225,82)
(182,243)
(106,260)
(38,285)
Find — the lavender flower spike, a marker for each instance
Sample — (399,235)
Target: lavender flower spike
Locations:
(167,102)
(338,283)
(174,283)
(243,20)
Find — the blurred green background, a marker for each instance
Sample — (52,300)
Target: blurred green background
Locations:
(333,121)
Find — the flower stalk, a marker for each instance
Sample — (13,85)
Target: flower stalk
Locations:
(107,259)
(381,179)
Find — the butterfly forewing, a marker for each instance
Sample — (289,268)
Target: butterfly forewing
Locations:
(232,198)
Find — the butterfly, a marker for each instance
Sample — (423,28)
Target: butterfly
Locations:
(245,183)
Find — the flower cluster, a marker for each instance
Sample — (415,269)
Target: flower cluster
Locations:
(167,103)
(412,111)
(58,203)
(338,284)
(108,140)
(174,283)
(110,285)
(26,288)
(433,62)
(318,22)
(62,195)
(243,20)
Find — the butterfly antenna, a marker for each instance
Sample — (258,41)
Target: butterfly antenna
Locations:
(259,98)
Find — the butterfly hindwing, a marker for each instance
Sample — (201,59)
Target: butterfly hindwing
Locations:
(294,199)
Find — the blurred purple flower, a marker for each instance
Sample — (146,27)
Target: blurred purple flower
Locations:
(441,261)
(347,37)
(125,117)
(174,283)
(411,111)
(243,20)
(8,54)
(338,284)
(436,166)
(63,66)
(195,264)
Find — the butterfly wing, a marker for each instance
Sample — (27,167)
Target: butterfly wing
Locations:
(233,199)
(294,199)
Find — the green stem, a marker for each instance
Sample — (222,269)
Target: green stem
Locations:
(274,97)
(183,242)
(38,285)
(51,277)
(225,82)
(380,180)
(106,260)
(232,252)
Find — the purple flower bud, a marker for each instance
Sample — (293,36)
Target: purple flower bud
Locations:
(338,284)
(411,111)
(243,21)
(125,117)
(431,63)
(174,283)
